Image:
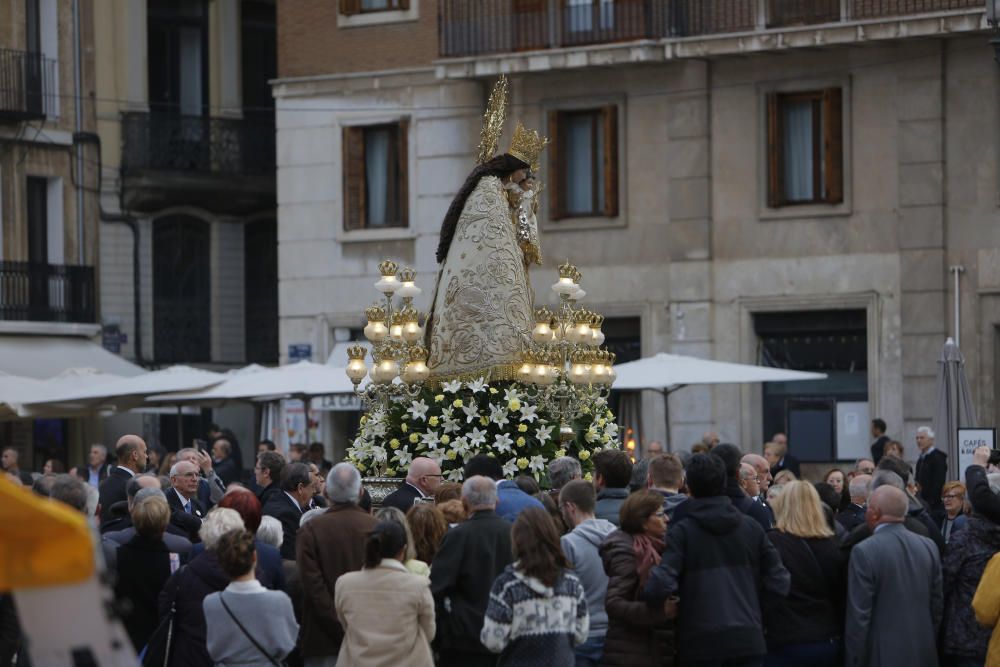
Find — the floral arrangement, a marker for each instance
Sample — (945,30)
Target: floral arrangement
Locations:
(458,420)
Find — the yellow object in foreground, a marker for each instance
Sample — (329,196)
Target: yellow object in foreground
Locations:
(42,542)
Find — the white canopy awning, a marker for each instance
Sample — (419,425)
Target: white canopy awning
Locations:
(301,380)
(132,390)
(44,357)
(70,381)
(670,371)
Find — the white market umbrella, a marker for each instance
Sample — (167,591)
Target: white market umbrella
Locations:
(70,381)
(13,390)
(132,389)
(955,408)
(668,372)
(301,380)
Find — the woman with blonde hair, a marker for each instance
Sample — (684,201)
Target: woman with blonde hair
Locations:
(806,627)
(784,477)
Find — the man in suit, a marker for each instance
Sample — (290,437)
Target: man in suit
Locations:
(96,470)
(894,596)
(328,546)
(130,452)
(267,474)
(731,458)
(471,556)
(222,462)
(422,480)
(289,505)
(854,514)
(186,511)
(932,471)
(210,487)
(880,439)
(779,457)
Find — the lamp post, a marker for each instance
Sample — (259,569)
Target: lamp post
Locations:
(993,18)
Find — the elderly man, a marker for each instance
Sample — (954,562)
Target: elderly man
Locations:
(222,462)
(9,461)
(932,471)
(779,457)
(328,546)
(130,450)
(894,597)
(211,488)
(186,511)
(854,514)
(422,480)
(96,470)
(562,471)
(289,505)
(710,439)
(749,481)
(471,556)
(864,467)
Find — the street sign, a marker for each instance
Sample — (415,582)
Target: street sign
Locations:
(300,352)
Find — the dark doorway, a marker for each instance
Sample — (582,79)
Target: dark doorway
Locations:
(260,284)
(181,290)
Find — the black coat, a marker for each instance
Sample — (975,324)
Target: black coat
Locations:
(471,556)
(265,494)
(269,571)
(227,471)
(789,463)
(813,610)
(637,634)
(739,500)
(718,561)
(143,568)
(961,569)
(932,471)
(983,500)
(190,524)
(878,448)
(852,517)
(187,588)
(285,510)
(112,490)
(917,520)
(402,498)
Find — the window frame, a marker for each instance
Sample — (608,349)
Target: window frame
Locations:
(354,177)
(607,114)
(829,153)
(356,7)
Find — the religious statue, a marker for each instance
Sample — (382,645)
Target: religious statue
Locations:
(483,307)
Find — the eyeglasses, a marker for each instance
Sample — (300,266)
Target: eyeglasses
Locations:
(951,496)
(659,514)
(189,475)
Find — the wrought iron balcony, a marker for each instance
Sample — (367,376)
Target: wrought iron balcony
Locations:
(31,291)
(479,27)
(226,165)
(28,86)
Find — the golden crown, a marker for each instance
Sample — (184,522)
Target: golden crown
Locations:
(387,267)
(527,146)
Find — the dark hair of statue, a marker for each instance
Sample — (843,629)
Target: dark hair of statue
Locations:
(501,165)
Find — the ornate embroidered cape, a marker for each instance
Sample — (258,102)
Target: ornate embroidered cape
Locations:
(482,315)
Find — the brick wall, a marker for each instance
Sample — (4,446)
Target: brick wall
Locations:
(310,43)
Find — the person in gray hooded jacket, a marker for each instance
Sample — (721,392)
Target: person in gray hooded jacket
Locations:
(576,503)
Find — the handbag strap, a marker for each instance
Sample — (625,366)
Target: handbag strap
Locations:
(247,634)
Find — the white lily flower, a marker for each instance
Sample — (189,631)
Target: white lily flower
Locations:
(544,433)
(454,475)
(450,426)
(612,430)
(537,464)
(591,435)
(431,439)
(477,437)
(471,413)
(476,386)
(418,409)
(448,412)
(403,457)
(528,413)
(502,442)
(498,415)
(452,387)
(512,394)
(510,467)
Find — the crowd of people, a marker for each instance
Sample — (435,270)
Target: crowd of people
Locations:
(714,557)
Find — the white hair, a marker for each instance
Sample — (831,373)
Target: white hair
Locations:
(860,488)
(310,515)
(343,484)
(269,531)
(104,450)
(217,523)
(926,430)
(479,492)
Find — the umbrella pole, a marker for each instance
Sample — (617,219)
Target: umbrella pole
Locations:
(306,404)
(180,429)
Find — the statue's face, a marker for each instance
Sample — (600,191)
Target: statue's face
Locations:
(519,177)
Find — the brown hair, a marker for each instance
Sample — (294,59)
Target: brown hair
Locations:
(637,508)
(448,491)
(536,546)
(453,511)
(428,526)
(235,551)
(150,516)
(666,470)
(581,493)
(501,165)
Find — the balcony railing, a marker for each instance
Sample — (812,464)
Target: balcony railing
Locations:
(477,27)
(197,145)
(28,86)
(31,291)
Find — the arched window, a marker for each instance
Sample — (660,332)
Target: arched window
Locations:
(181,289)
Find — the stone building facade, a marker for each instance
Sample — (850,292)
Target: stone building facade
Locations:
(762,181)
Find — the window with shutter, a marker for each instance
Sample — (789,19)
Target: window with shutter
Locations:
(376,189)
(805,152)
(584,159)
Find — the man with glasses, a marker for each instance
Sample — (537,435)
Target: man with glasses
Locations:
(864,467)
(422,480)
(749,481)
(186,511)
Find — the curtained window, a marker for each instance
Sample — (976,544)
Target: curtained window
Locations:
(583,163)
(375,176)
(352,7)
(805,148)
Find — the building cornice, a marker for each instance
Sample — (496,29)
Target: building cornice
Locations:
(298,86)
